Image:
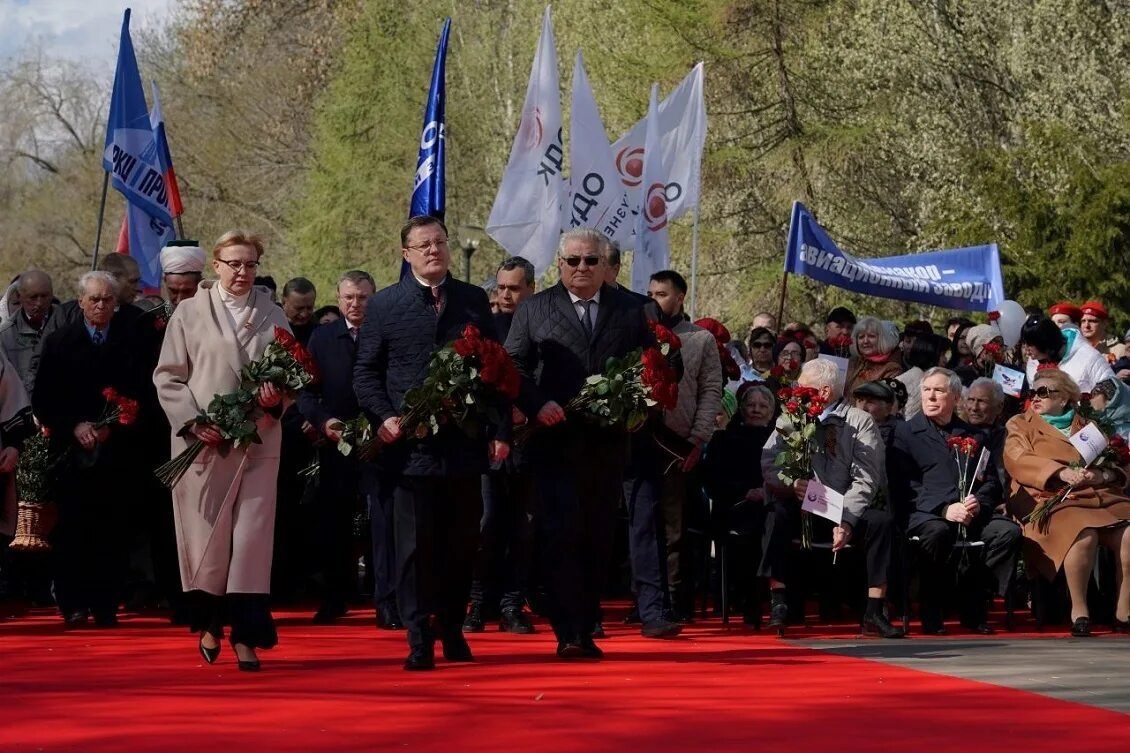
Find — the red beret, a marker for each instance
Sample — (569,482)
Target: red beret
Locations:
(1094,308)
(716,328)
(1066,308)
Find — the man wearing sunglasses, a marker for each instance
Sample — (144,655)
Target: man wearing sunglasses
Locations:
(560,337)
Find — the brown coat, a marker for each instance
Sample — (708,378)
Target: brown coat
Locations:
(861,370)
(1034,454)
(224,507)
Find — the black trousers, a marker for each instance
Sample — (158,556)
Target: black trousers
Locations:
(337,504)
(506,548)
(986,572)
(248,614)
(436,521)
(578,476)
(91,550)
(873,532)
(378,488)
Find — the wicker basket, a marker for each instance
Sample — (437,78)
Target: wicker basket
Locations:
(34,522)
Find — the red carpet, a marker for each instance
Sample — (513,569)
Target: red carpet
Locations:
(143,687)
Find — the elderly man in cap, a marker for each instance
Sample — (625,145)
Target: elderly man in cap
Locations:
(182,267)
(1092,324)
(850,459)
(1065,314)
(837,324)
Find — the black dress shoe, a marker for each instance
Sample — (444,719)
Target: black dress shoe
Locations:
(661,629)
(77,618)
(209,654)
(633,616)
(978,627)
(590,650)
(473,622)
(878,624)
(1081,628)
(598,630)
(778,615)
(455,648)
(327,615)
(934,628)
(420,660)
(388,618)
(1121,626)
(570,650)
(515,621)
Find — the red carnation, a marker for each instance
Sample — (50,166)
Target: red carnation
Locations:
(110,394)
(160,323)
(953,442)
(45,431)
(994,316)
(471,332)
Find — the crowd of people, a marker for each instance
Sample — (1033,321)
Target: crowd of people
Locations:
(458,530)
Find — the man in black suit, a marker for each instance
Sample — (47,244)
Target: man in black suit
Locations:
(502,570)
(558,338)
(923,476)
(437,497)
(78,362)
(325,405)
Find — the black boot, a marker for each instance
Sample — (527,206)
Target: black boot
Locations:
(778,611)
(473,623)
(876,623)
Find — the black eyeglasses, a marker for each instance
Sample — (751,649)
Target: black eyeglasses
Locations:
(1043,392)
(574,261)
(237,266)
(759,344)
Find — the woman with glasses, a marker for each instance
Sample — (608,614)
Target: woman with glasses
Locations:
(225,504)
(875,353)
(1043,463)
(1043,343)
(761,344)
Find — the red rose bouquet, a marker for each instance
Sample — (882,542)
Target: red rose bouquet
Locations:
(468,379)
(285,364)
(800,412)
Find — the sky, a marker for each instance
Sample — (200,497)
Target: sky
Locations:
(82,30)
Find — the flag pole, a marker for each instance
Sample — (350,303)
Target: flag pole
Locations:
(781,307)
(694,261)
(180,228)
(101,215)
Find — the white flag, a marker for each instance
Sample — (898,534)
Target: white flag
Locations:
(1089,442)
(682,128)
(526,216)
(823,501)
(652,253)
(597,198)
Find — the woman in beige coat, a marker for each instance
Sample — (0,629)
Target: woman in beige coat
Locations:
(225,504)
(1042,462)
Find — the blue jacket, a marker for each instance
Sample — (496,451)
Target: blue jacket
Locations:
(332,396)
(400,333)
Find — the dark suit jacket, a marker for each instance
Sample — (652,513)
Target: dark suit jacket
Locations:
(922,471)
(72,374)
(332,397)
(399,336)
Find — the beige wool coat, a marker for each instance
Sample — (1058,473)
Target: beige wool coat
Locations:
(224,507)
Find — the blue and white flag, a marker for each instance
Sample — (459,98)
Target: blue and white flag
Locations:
(428,188)
(652,252)
(130,154)
(960,278)
(147,236)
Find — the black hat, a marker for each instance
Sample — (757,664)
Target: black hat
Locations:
(899,390)
(840,315)
(876,390)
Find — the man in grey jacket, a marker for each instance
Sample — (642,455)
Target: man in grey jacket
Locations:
(655,485)
(22,336)
(849,457)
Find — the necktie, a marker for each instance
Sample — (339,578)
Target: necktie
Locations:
(437,297)
(353,333)
(586,319)
(99,337)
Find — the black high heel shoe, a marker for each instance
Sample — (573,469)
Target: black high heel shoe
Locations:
(246,665)
(1121,626)
(209,654)
(1081,628)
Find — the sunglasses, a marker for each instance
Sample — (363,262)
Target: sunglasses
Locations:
(574,261)
(1043,392)
(760,344)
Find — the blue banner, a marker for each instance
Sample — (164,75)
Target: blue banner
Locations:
(428,189)
(960,278)
(130,153)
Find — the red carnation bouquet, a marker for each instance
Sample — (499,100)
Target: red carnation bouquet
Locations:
(800,412)
(964,449)
(119,409)
(468,379)
(1115,456)
(992,353)
(285,364)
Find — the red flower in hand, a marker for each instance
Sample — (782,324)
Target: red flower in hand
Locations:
(45,431)
(471,332)
(110,394)
(464,347)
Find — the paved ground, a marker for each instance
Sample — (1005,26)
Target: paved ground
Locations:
(1093,671)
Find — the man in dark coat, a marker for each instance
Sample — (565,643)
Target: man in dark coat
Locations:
(558,338)
(923,481)
(78,362)
(325,405)
(437,498)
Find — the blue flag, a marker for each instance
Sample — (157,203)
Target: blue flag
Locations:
(130,154)
(147,236)
(960,278)
(428,189)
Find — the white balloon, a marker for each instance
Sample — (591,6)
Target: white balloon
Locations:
(1011,321)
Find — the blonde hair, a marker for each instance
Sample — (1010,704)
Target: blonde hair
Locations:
(1061,381)
(234,238)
